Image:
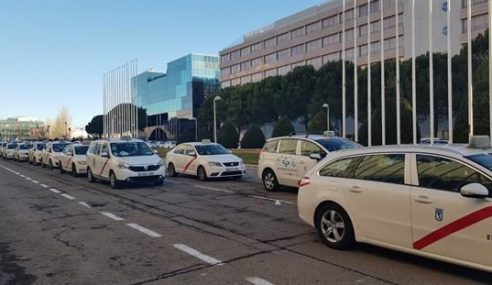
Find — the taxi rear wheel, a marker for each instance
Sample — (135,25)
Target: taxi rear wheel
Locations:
(62,171)
(171,171)
(113,181)
(334,226)
(90,177)
(50,165)
(74,170)
(270,181)
(201,173)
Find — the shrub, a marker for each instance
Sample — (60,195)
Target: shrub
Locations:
(228,136)
(317,125)
(283,128)
(253,138)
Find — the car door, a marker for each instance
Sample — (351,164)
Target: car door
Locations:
(446,223)
(287,162)
(103,162)
(93,161)
(378,195)
(305,161)
(64,157)
(45,153)
(178,158)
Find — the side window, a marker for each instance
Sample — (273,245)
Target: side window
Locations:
(105,148)
(287,146)
(339,168)
(189,150)
(92,146)
(382,168)
(308,148)
(180,149)
(445,174)
(97,148)
(271,146)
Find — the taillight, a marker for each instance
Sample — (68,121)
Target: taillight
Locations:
(304,181)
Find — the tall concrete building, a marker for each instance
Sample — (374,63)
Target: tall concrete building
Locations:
(314,36)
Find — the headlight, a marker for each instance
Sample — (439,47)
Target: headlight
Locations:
(212,163)
(241,162)
(123,165)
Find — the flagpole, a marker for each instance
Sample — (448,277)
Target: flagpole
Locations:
(356,79)
(414,85)
(369,126)
(470,78)
(398,119)
(381,49)
(431,77)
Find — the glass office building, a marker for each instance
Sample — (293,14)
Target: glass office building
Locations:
(20,128)
(179,92)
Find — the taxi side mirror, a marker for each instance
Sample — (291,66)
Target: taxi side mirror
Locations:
(474,190)
(315,156)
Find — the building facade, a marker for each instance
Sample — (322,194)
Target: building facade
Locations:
(315,36)
(19,128)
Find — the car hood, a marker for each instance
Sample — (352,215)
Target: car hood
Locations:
(140,160)
(221,158)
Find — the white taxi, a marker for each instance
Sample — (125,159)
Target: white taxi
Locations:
(74,159)
(204,160)
(51,154)
(9,150)
(35,153)
(121,161)
(21,152)
(285,160)
(433,201)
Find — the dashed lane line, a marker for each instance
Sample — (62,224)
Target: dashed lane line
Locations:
(195,253)
(68,196)
(112,216)
(144,230)
(213,189)
(35,181)
(85,204)
(28,178)
(55,190)
(44,185)
(258,281)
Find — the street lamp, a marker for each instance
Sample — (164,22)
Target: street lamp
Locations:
(325,105)
(217,98)
(66,133)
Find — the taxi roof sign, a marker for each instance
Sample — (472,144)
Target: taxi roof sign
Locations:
(481,142)
(206,141)
(329,134)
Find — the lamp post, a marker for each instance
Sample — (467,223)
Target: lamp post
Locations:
(66,133)
(325,105)
(217,98)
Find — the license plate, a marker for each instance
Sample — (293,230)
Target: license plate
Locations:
(145,174)
(232,169)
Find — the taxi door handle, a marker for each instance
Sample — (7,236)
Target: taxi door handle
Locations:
(355,189)
(423,199)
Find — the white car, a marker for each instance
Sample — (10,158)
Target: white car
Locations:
(21,152)
(285,160)
(204,160)
(51,154)
(432,201)
(8,153)
(3,145)
(121,161)
(35,153)
(74,159)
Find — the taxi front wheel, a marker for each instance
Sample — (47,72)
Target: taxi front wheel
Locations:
(334,227)
(202,174)
(270,181)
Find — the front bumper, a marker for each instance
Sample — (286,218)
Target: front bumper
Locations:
(23,156)
(222,171)
(144,176)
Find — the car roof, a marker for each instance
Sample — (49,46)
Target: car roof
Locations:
(199,143)
(117,140)
(309,137)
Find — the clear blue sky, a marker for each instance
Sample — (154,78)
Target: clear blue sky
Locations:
(53,52)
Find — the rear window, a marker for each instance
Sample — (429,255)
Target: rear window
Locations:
(334,144)
(288,146)
(270,146)
(11,146)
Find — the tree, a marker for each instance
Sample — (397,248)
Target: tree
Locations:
(228,135)
(283,128)
(253,138)
(61,124)
(95,126)
(317,125)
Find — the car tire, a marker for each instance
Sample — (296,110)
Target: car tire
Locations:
(90,176)
(42,164)
(237,177)
(50,164)
(113,181)
(160,182)
(62,171)
(201,173)
(270,181)
(334,227)
(171,171)
(74,170)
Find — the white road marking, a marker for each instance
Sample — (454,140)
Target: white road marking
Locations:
(112,216)
(54,190)
(28,178)
(85,204)
(44,185)
(269,199)
(16,173)
(144,230)
(214,189)
(258,281)
(68,196)
(23,176)
(195,253)
(35,181)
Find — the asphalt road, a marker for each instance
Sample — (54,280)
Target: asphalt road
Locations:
(56,229)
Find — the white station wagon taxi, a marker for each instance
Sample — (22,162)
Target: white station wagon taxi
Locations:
(74,159)
(204,160)
(51,154)
(433,201)
(121,161)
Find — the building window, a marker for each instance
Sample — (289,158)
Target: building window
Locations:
(388,4)
(225,84)
(225,57)
(235,81)
(480,23)
(256,62)
(256,47)
(362,31)
(331,39)
(313,28)
(225,71)
(235,54)
(444,6)
(235,68)
(283,70)
(335,56)
(246,51)
(315,62)
(257,77)
(389,23)
(363,10)
(349,14)
(349,54)
(444,30)
(300,63)
(270,73)
(376,26)
(271,58)
(331,21)
(283,38)
(245,66)
(375,6)
(246,79)
(390,44)
(313,45)
(270,42)
(362,50)
(297,33)
(283,54)
(349,35)
(375,47)
(297,50)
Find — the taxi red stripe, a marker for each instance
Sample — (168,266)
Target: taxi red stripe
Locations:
(189,163)
(453,227)
(104,166)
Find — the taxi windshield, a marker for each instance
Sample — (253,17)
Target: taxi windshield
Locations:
(125,149)
(334,144)
(39,146)
(58,147)
(212,149)
(81,150)
(24,146)
(484,159)
(11,146)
